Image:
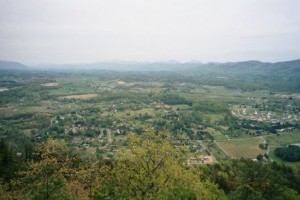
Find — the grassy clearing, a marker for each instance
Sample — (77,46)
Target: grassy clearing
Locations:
(217,152)
(79,96)
(224,128)
(246,148)
(182,107)
(216,134)
(222,94)
(213,118)
(281,140)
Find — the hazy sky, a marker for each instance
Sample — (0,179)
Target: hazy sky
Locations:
(72,31)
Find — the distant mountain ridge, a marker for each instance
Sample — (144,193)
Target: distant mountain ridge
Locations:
(8,65)
(126,66)
(285,69)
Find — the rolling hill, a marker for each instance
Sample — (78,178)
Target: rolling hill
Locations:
(7,65)
(288,69)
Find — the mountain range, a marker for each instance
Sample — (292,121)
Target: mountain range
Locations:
(287,68)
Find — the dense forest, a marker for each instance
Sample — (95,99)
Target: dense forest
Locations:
(290,153)
(148,168)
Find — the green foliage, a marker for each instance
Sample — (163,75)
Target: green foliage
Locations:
(290,153)
(179,194)
(259,157)
(245,179)
(151,168)
(9,163)
(205,106)
(174,99)
(245,192)
(53,188)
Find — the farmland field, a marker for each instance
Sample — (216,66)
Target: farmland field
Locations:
(243,148)
(282,140)
(79,96)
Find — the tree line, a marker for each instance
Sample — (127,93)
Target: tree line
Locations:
(148,167)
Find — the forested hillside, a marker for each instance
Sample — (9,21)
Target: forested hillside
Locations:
(148,168)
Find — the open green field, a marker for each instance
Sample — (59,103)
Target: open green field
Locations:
(216,134)
(282,140)
(242,148)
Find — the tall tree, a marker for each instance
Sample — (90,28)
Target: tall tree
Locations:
(151,168)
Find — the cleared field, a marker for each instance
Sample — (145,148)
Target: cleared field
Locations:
(216,134)
(50,84)
(217,152)
(79,96)
(214,118)
(285,96)
(246,148)
(222,94)
(282,140)
(121,82)
(21,109)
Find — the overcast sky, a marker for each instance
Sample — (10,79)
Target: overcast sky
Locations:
(84,31)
